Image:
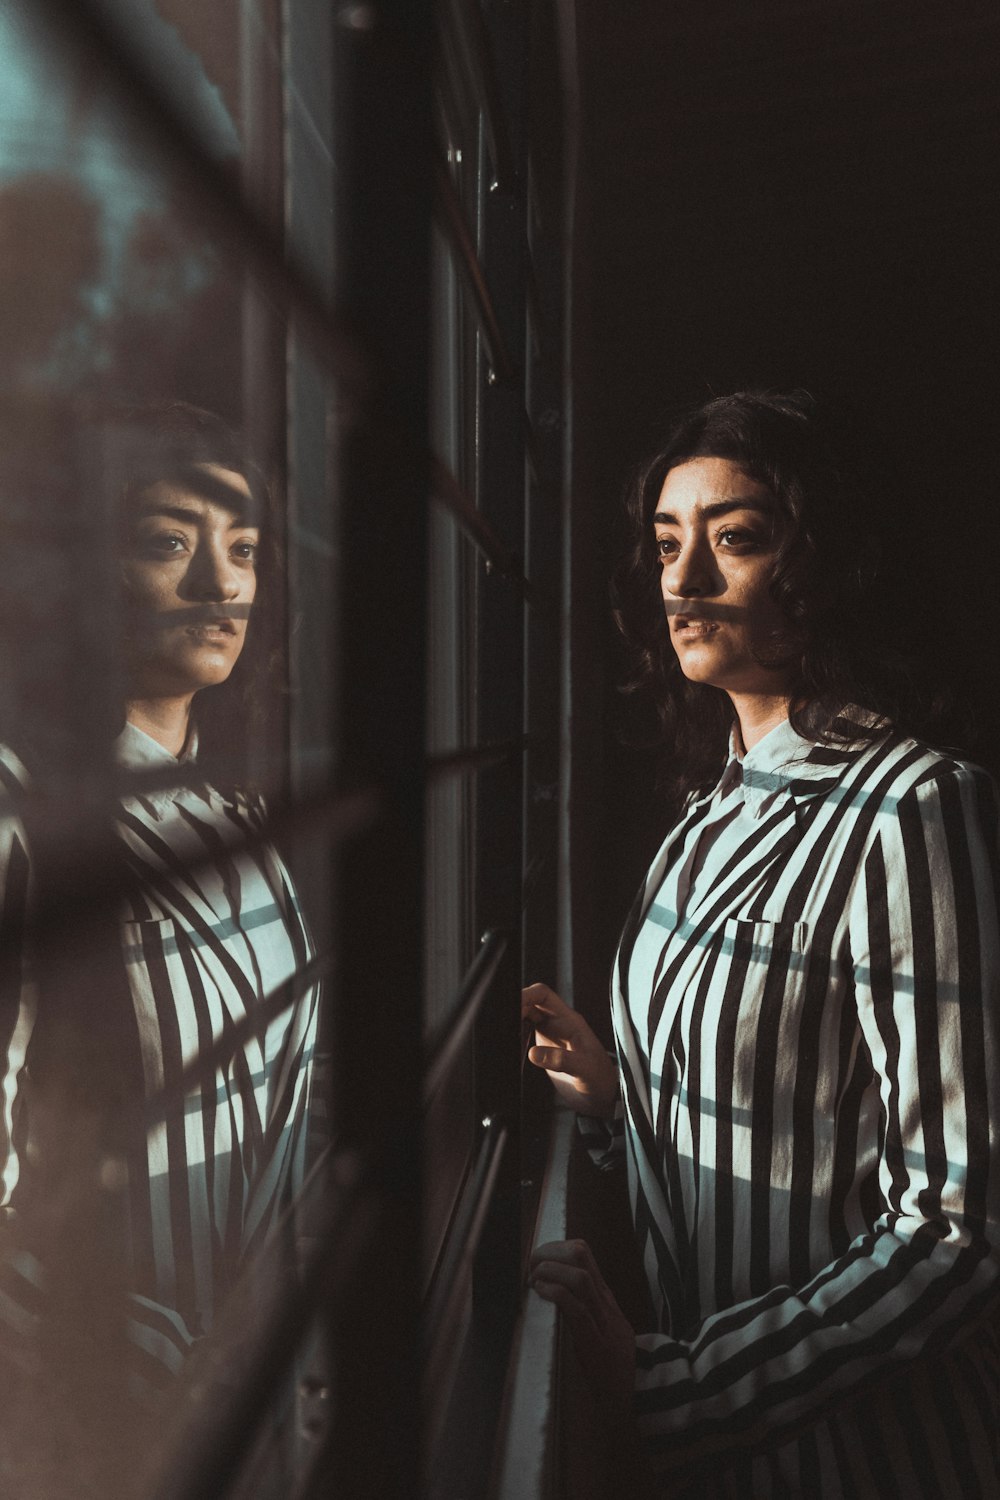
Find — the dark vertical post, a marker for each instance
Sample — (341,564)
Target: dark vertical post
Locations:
(262,416)
(499,833)
(313,586)
(542,525)
(544,389)
(312,500)
(584,575)
(382,98)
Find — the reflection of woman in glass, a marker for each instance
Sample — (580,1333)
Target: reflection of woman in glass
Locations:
(209,928)
(806,1003)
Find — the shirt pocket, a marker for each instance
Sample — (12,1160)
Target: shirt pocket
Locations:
(781,941)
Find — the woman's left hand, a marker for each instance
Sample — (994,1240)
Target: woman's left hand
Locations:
(565,1272)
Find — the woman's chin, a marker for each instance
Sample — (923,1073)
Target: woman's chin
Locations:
(703,666)
(182,679)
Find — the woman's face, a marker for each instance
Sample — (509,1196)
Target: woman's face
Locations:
(189,565)
(717,532)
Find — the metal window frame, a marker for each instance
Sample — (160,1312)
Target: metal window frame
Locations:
(518,466)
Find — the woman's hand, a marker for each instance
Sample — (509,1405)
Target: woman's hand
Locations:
(565,1272)
(581,1071)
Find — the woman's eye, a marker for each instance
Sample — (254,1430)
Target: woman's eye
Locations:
(164,542)
(734,536)
(665,546)
(246,551)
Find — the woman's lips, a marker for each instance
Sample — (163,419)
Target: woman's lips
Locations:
(693,629)
(214,630)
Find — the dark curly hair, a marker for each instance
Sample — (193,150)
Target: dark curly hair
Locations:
(175,441)
(824,568)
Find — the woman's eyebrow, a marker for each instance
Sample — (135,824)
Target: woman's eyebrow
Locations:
(190,514)
(176,512)
(717,508)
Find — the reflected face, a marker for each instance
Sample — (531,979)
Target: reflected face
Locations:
(189,566)
(717,534)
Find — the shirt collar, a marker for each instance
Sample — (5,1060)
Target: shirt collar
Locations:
(768,767)
(138,751)
(785,763)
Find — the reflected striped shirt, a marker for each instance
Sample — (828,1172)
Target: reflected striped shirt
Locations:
(207,933)
(806,1003)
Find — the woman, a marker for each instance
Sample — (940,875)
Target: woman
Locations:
(208,928)
(805,1002)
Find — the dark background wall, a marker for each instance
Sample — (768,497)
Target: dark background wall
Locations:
(796,194)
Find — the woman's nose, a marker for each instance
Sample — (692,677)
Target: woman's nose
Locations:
(692,575)
(212,575)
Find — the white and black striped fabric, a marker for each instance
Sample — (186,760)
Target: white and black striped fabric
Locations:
(208,933)
(806,1003)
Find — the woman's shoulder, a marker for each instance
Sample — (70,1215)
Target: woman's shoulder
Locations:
(905,766)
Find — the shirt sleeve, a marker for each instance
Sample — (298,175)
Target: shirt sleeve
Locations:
(604,1140)
(924,944)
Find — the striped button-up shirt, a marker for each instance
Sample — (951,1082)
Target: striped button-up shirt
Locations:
(806,1003)
(207,933)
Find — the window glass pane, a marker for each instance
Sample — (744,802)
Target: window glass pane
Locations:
(145,699)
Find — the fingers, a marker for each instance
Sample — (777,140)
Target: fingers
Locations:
(532,994)
(566,1261)
(555,1060)
(569,1267)
(568,1050)
(538,999)
(565,1273)
(567,1302)
(569,1252)
(548,1012)
(570,1288)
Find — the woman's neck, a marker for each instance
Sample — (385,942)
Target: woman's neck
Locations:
(758,714)
(165,720)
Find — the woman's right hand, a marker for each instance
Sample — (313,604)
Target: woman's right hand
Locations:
(582,1073)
